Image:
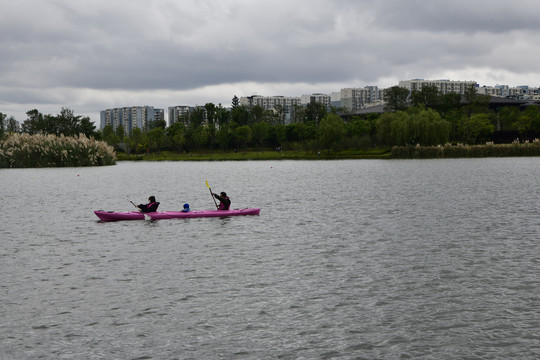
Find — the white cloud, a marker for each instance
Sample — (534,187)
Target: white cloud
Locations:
(92,55)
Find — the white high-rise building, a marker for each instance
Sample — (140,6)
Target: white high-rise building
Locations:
(178,112)
(318,98)
(128,117)
(358,98)
(270,102)
(444,86)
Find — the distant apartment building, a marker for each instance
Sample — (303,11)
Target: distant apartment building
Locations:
(317,98)
(284,104)
(270,102)
(178,113)
(519,92)
(444,86)
(159,115)
(181,113)
(128,117)
(358,98)
(498,90)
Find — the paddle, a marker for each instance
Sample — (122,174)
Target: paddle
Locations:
(212,194)
(133,203)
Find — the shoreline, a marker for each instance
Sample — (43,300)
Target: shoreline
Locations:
(447,151)
(257,155)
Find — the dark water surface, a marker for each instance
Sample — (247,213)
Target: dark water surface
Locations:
(347,260)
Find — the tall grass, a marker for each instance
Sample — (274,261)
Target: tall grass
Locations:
(25,151)
(467,151)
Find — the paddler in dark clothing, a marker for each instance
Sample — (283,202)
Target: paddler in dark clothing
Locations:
(150,207)
(224,201)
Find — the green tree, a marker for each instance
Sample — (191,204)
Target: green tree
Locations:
(156,139)
(506,117)
(522,124)
(157,124)
(34,124)
(314,112)
(199,137)
(222,115)
(291,133)
(256,114)
(534,113)
(65,123)
(429,128)
(211,113)
(128,144)
(277,116)
(298,114)
(224,138)
(243,136)
(235,102)
(331,131)
(139,140)
(177,135)
(2,124)
(428,97)
(357,127)
(475,103)
(396,98)
(240,115)
(110,137)
(87,127)
(384,128)
(260,133)
(402,131)
(197,117)
(449,102)
(276,135)
(475,129)
(306,133)
(120,131)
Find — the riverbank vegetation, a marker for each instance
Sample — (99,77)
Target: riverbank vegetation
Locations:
(250,154)
(423,119)
(420,124)
(467,151)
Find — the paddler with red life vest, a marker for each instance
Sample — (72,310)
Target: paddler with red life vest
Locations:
(224,201)
(150,207)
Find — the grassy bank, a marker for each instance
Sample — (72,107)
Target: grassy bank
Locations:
(257,155)
(397,152)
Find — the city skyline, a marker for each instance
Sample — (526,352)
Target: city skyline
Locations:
(345,98)
(94,55)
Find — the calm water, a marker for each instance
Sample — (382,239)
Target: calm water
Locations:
(348,260)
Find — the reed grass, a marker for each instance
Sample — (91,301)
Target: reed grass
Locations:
(467,151)
(26,151)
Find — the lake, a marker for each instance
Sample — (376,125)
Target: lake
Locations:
(353,259)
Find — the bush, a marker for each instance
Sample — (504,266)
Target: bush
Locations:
(466,151)
(25,151)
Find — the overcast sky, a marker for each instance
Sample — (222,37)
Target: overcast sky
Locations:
(90,55)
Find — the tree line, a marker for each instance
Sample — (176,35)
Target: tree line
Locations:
(424,117)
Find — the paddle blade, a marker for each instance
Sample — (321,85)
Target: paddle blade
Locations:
(208,186)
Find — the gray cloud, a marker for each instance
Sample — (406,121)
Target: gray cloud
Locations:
(63,53)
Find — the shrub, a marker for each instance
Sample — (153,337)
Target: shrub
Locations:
(464,150)
(24,151)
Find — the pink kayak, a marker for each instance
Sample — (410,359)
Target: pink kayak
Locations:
(135,215)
